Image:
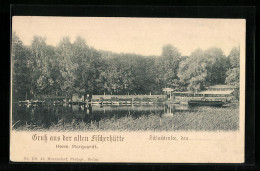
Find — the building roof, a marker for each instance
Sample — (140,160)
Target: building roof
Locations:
(167,89)
(216,92)
(207,92)
(186,92)
(222,86)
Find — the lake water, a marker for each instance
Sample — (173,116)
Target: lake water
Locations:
(45,116)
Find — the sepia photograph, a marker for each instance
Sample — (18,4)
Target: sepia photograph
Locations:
(127,75)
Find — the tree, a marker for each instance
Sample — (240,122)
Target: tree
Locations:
(77,68)
(118,74)
(93,71)
(80,67)
(20,70)
(43,65)
(232,75)
(128,73)
(217,66)
(192,71)
(81,57)
(203,68)
(234,57)
(67,68)
(167,66)
(54,68)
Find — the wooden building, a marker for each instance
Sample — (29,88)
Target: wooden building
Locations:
(221,88)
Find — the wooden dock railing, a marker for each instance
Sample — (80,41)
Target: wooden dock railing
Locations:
(95,97)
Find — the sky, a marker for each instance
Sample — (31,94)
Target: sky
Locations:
(144,36)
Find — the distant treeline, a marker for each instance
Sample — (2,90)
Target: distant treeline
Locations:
(68,68)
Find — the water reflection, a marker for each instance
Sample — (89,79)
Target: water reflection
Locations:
(46,115)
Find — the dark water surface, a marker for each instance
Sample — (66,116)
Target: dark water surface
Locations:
(47,115)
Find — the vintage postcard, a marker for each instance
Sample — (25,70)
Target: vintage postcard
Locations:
(131,90)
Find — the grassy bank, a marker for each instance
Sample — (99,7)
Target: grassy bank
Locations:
(212,119)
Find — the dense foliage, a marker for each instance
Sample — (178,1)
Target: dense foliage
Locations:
(75,67)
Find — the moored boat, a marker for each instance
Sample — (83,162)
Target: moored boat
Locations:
(151,102)
(137,102)
(144,103)
(205,103)
(128,102)
(183,103)
(107,102)
(122,102)
(96,103)
(115,103)
(33,102)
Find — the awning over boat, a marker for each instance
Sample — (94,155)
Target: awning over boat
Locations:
(216,92)
(206,92)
